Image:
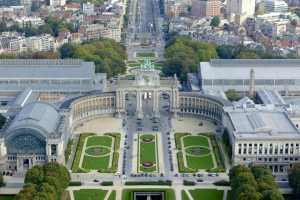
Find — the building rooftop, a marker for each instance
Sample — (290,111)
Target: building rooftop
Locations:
(46,69)
(270,97)
(256,123)
(38,115)
(240,69)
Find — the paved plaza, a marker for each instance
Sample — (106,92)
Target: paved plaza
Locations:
(101,125)
(191,125)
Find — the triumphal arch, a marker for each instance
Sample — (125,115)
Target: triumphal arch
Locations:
(147,81)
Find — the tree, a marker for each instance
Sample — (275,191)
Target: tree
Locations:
(294,179)
(232,95)
(45,182)
(1,181)
(272,195)
(2,120)
(247,54)
(184,54)
(215,22)
(27,193)
(67,50)
(227,51)
(107,55)
(35,175)
(249,196)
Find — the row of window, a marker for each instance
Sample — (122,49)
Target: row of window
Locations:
(247,82)
(268,149)
(64,82)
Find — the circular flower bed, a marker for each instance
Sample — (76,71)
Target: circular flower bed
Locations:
(97,151)
(147,138)
(197,151)
(147,164)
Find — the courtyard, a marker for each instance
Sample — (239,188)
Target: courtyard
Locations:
(196,152)
(97,152)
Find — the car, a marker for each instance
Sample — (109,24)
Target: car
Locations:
(117,173)
(96,180)
(155,128)
(200,175)
(199,180)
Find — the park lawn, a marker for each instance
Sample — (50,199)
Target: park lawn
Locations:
(90,194)
(75,164)
(204,162)
(195,141)
(184,196)
(95,163)
(7,197)
(99,141)
(147,154)
(127,194)
(112,195)
(209,194)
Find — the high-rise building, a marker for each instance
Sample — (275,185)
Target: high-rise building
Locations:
(239,10)
(275,6)
(206,8)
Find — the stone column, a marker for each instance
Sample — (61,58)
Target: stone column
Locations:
(139,104)
(155,103)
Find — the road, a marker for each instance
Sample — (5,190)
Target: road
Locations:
(144,29)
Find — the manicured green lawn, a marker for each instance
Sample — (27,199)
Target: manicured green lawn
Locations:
(94,159)
(147,153)
(209,194)
(112,195)
(90,194)
(95,163)
(128,194)
(184,196)
(7,197)
(195,141)
(204,162)
(99,140)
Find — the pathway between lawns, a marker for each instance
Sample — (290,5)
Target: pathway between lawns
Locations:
(73,151)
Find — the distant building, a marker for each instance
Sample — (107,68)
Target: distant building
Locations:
(88,9)
(48,76)
(239,10)
(40,43)
(282,75)
(57,2)
(29,21)
(262,136)
(206,8)
(275,6)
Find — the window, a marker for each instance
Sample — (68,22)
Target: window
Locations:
(53,149)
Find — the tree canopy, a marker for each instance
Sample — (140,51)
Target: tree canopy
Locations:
(294,179)
(254,183)
(2,120)
(184,54)
(215,21)
(45,182)
(107,55)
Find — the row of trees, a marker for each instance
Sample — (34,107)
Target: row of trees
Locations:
(45,182)
(52,26)
(254,183)
(294,179)
(107,55)
(183,55)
